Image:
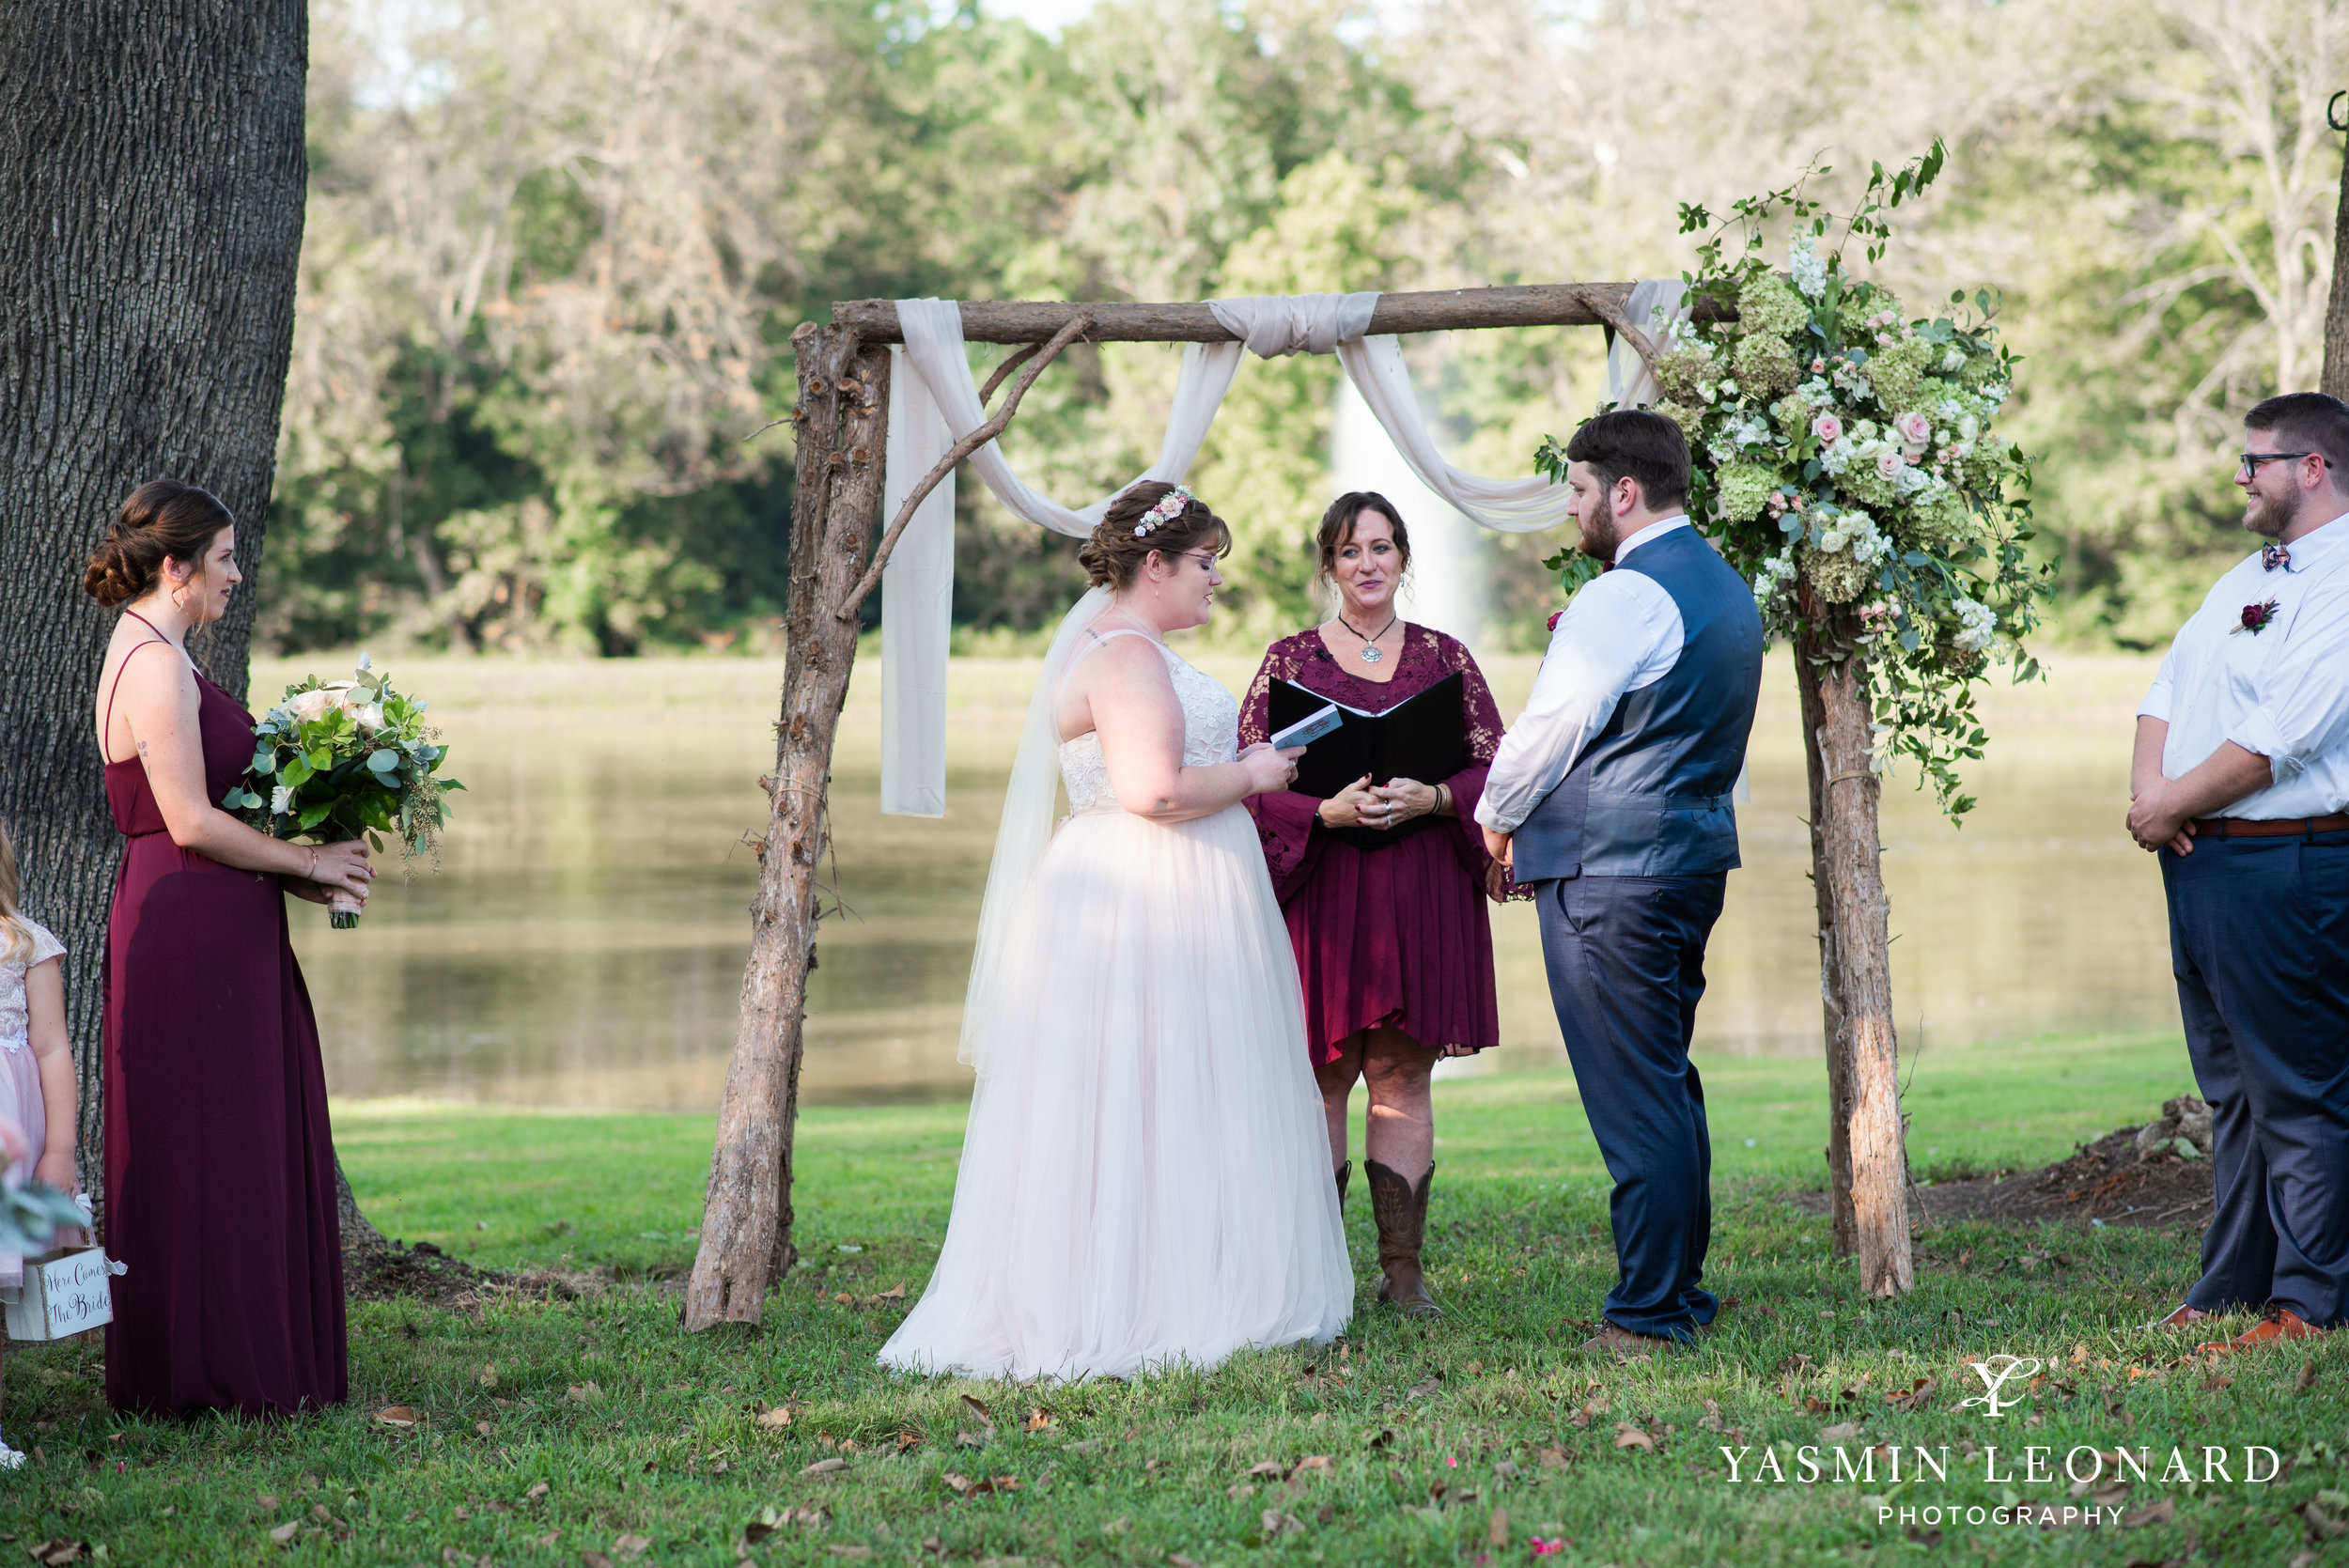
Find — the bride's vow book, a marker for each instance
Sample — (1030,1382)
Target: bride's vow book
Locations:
(1425,737)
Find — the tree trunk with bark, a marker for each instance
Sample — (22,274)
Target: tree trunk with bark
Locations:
(843,419)
(152,181)
(2337,307)
(1867,1158)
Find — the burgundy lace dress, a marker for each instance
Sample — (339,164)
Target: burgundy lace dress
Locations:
(1396,936)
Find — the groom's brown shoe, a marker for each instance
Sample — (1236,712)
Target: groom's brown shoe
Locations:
(1624,1345)
(1401,1210)
(2282,1323)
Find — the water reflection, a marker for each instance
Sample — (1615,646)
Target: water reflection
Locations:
(582,942)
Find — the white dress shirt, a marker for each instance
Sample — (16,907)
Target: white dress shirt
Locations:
(2281,691)
(1622,632)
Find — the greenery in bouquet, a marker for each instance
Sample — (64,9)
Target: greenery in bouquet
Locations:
(341,759)
(1845,460)
(31,1213)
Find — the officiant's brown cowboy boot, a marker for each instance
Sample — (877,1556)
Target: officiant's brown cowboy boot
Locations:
(1401,1211)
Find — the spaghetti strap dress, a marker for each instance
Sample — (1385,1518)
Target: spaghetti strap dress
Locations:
(219,1169)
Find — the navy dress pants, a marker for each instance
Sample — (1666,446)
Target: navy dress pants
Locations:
(2258,937)
(1626,956)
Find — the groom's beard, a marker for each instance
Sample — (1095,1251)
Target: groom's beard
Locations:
(1599,538)
(2265,517)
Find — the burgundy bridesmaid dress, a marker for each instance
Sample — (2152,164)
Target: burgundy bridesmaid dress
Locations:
(1397,937)
(220,1169)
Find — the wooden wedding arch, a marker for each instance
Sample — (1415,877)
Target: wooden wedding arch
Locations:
(842,419)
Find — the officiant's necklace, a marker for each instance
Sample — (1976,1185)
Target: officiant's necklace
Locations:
(1370,644)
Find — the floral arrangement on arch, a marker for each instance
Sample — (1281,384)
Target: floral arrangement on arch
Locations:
(1845,459)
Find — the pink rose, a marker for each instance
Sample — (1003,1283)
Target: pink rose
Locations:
(1828,428)
(1914,429)
(1888,465)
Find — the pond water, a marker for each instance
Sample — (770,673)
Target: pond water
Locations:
(582,942)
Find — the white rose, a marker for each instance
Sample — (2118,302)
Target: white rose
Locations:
(1888,465)
(369,717)
(312,704)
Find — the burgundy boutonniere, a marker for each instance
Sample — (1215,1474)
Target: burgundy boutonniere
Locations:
(2256,616)
(1553,618)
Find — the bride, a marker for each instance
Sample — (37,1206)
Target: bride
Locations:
(1145,1179)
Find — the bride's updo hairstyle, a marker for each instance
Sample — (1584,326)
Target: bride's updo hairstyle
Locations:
(164,519)
(1112,557)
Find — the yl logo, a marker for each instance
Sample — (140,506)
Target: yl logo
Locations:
(1995,1378)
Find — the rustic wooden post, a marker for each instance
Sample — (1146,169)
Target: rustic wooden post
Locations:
(1867,1158)
(843,418)
(2336,378)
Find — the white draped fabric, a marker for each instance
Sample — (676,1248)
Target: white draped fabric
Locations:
(1658,307)
(938,403)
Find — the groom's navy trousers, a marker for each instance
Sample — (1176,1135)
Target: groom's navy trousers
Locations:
(1626,956)
(2259,938)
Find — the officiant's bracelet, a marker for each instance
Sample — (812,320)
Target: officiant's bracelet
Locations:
(1444,800)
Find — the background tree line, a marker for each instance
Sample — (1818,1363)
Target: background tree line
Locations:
(554,251)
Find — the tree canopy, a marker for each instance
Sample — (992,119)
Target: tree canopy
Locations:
(554,251)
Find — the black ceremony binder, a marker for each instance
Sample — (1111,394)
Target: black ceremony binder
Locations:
(1425,737)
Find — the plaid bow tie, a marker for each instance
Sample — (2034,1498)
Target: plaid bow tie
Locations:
(2272,556)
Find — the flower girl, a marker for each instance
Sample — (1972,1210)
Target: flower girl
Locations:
(36,1069)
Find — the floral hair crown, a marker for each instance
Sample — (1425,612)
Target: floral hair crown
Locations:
(1168,508)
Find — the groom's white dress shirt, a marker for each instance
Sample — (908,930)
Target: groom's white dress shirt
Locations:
(1621,631)
(2281,691)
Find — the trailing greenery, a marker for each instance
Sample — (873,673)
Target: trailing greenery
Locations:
(548,1429)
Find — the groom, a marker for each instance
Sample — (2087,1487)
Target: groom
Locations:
(1612,796)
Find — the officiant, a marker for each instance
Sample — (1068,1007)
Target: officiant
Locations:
(1383,878)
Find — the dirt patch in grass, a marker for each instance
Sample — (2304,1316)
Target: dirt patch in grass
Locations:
(2108,1180)
(391,1271)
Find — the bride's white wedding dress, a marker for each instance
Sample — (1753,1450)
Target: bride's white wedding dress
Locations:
(1145,1177)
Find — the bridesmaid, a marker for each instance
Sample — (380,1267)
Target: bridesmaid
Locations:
(219,1170)
(1394,945)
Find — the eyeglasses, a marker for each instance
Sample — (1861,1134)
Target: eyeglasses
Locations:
(2251,460)
(1204,557)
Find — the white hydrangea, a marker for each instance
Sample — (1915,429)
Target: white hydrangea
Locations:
(1738,431)
(1977,624)
(1856,532)
(1776,573)
(1807,266)
(1952,362)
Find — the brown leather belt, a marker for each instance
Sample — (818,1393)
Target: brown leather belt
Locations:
(2281,827)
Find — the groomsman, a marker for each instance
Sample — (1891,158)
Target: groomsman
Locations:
(1612,796)
(2240,781)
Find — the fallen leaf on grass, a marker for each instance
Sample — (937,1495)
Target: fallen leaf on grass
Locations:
(898,1293)
(1630,1436)
(593,1560)
(535,1492)
(546,1540)
(2322,1526)
(285,1534)
(1496,1534)
(1274,1522)
(2307,1376)
(1176,1560)
(582,1394)
(1240,1489)
(1553,1459)
(631,1546)
(2155,1514)
(1118,1526)
(1315,1462)
(488,1374)
(484,1428)
(774,1420)
(1915,1397)
(1269,1467)
(1038,1419)
(56,1554)
(265,1501)
(825,1466)
(1842,1432)
(973,1439)
(984,1414)
(400,1416)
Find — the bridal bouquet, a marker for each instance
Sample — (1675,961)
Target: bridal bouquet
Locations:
(337,759)
(1845,459)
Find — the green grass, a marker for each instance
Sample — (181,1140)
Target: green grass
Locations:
(1429,1428)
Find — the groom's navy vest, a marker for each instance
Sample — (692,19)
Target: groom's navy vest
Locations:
(1649,795)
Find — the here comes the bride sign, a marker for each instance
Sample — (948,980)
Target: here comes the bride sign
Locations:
(65,1294)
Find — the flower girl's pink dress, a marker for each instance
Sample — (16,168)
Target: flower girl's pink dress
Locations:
(19,1080)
